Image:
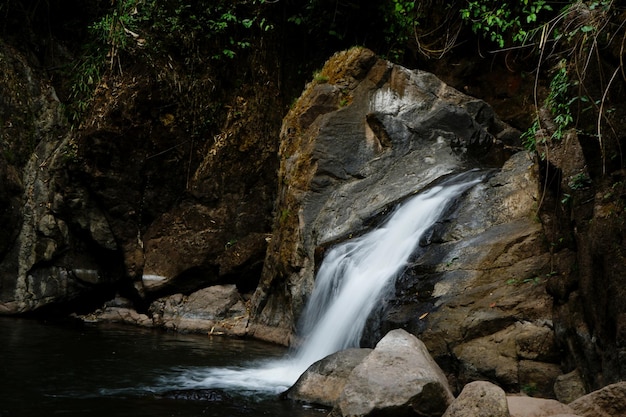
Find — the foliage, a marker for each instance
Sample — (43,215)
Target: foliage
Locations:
(218,29)
(400,19)
(559,100)
(580,39)
(504,22)
(430,26)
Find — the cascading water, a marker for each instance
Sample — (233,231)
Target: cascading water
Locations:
(350,282)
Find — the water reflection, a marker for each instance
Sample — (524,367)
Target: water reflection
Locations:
(77,370)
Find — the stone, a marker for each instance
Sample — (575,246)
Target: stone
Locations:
(609,401)
(497,357)
(538,378)
(522,406)
(114,314)
(323,382)
(215,310)
(398,377)
(479,399)
(569,387)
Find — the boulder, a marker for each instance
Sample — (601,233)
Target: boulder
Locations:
(522,406)
(499,357)
(214,310)
(479,399)
(398,377)
(323,382)
(569,387)
(363,136)
(609,401)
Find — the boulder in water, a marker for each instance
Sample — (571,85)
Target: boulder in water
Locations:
(399,377)
(325,380)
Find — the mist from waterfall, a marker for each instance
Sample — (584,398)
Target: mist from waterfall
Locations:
(351,281)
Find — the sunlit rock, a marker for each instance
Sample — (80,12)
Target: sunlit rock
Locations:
(324,381)
(398,378)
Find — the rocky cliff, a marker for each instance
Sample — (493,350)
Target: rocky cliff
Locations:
(129,202)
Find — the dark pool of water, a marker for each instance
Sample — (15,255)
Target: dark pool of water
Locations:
(72,369)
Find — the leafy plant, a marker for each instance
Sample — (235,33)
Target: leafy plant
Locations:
(504,22)
(215,28)
(579,181)
(529,137)
(559,100)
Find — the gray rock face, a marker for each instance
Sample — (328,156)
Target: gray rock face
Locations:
(399,377)
(127,202)
(323,382)
(479,399)
(351,147)
(43,259)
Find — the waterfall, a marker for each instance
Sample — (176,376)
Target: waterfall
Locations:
(355,274)
(350,283)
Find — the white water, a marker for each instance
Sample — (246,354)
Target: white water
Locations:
(351,281)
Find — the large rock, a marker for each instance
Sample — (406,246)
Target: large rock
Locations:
(363,135)
(569,387)
(609,401)
(479,285)
(323,382)
(398,377)
(479,399)
(501,357)
(215,310)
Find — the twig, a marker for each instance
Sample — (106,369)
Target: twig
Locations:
(606,91)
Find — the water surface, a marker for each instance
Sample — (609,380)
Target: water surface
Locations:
(72,369)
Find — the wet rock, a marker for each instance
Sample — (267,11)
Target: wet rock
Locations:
(352,147)
(476,295)
(323,382)
(398,377)
(479,399)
